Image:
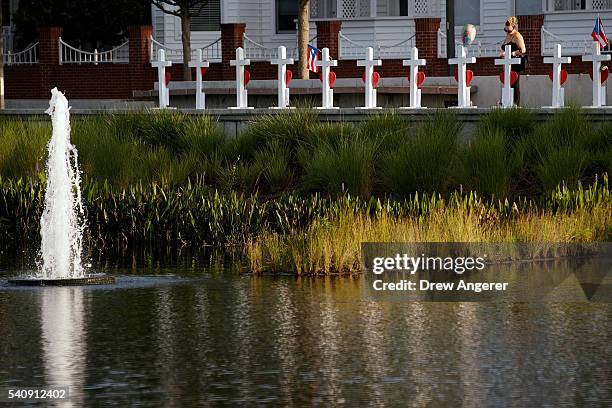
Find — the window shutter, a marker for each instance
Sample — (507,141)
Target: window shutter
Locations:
(209,17)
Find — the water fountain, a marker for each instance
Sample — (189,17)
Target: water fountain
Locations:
(62,222)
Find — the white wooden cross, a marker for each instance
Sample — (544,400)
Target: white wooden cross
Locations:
(558,93)
(370,91)
(463,91)
(161,64)
(507,61)
(283,90)
(599,91)
(198,64)
(242,101)
(414,63)
(327,93)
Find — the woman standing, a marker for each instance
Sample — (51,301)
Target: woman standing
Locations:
(517,46)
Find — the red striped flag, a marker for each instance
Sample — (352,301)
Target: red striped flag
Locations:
(598,33)
(313,56)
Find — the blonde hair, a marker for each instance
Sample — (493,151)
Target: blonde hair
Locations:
(512,20)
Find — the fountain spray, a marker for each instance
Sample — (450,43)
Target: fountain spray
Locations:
(62,222)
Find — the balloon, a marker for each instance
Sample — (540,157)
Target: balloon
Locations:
(168,77)
(203,71)
(247,77)
(469,34)
(288,76)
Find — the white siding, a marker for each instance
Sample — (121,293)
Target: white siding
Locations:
(167,30)
(577,25)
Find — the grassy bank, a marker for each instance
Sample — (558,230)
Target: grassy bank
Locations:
(300,195)
(509,154)
(307,234)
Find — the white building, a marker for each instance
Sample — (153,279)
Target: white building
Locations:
(386,24)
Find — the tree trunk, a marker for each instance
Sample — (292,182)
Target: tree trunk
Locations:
(186,39)
(303,34)
(1,61)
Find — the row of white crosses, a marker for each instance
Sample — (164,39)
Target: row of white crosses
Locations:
(326,63)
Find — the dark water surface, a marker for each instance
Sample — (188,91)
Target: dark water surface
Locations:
(201,334)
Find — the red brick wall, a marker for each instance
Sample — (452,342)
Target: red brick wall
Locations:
(327,36)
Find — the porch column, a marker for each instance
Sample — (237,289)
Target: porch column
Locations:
(327,36)
(139,48)
(373,4)
(426,37)
(232,37)
(48,45)
(531,28)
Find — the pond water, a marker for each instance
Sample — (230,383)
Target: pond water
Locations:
(193,332)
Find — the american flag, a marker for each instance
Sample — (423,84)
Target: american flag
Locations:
(598,33)
(313,55)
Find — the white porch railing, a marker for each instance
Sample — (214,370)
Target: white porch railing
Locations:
(570,47)
(71,55)
(571,5)
(258,52)
(211,52)
(358,9)
(28,56)
(350,49)
(484,47)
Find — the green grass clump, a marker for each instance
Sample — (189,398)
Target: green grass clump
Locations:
(425,162)
(508,155)
(23,148)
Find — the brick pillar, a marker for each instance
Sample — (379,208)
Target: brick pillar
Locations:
(327,36)
(530,27)
(232,37)
(48,60)
(142,75)
(48,45)
(426,37)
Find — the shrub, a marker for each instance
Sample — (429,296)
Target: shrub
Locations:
(489,165)
(347,167)
(427,162)
(515,123)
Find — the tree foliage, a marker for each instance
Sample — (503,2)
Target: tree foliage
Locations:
(87,24)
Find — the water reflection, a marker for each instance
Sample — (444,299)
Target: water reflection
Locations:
(224,337)
(64,342)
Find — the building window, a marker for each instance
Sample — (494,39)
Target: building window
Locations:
(207,18)
(6,13)
(403,7)
(467,12)
(527,7)
(286,14)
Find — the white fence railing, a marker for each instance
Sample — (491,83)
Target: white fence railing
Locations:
(483,47)
(28,56)
(71,55)
(211,52)
(571,5)
(350,49)
(258,52)
(569,47)
(360,9)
